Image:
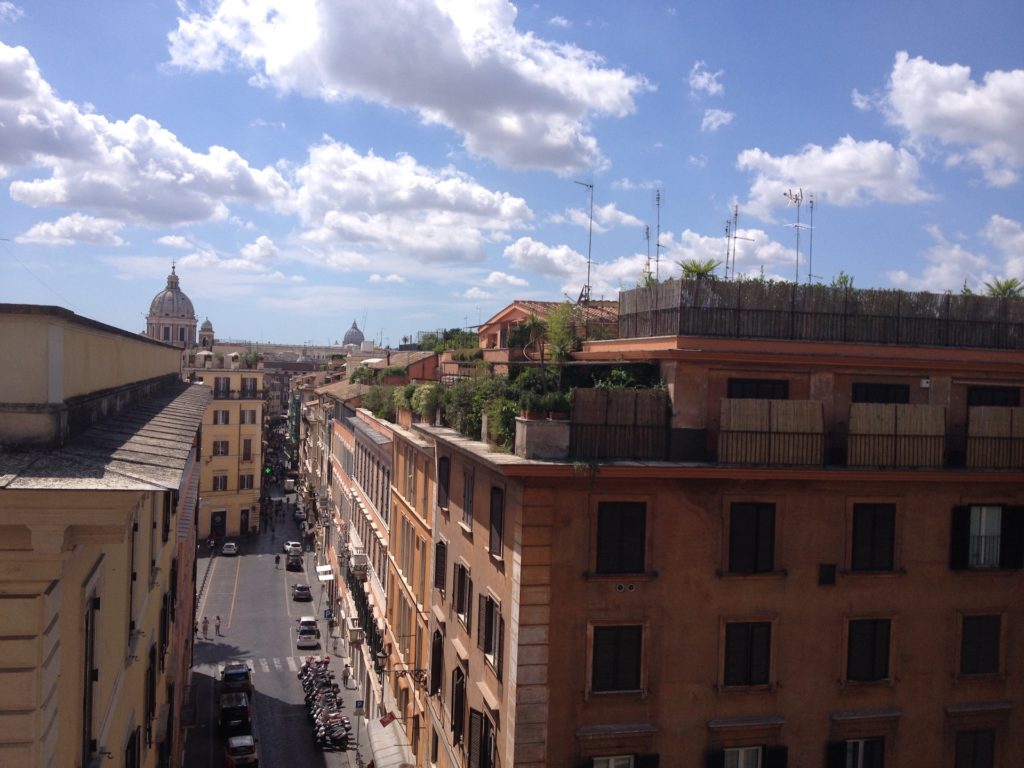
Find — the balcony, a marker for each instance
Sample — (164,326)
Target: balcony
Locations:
(237,394)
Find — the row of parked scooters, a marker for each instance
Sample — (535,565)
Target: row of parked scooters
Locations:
(331,728)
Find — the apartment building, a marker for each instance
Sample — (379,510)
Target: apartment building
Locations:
(232,444)
(98,494)
(806,549)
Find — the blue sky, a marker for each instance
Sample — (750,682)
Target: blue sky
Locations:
(411,164)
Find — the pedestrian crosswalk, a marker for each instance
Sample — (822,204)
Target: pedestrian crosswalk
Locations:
(258,665)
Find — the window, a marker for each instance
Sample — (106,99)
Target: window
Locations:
(248,416)
(436,662)
(443,473)
(222,417)
(440,564)
(621,536)
(975,749)
(167,333)
(748,757)
(248,387)
(752,538)
(458,705)
(997,396)
(181,334)
(857,753)
(743,757)
(876,392)
(494,545)
(463,587)
(618,761)
(616,657)
(979,645)
(467,498)
(220,447)
(481,740)
(867,658)
(747,653)
(220,482)
(247,449)
(89,676)
(221,386)
(245,482)
(131,749)
(874,527)
(758,389)
(490,631)
(987,536)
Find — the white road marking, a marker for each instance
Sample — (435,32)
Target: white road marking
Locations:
(291,664)
(264,665)
(277,664)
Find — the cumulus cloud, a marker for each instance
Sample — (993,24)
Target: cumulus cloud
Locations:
(559,21)
(697,161)
(756,253)
(76,228)
(1007,237)
(848,173)
(605,217)
(949,267)
(131,170)
(174,241)
(702,80)
(399,207)
(260,251)
(630,184)
(391,278)
(978,123)
(715,119)
(513,97)
(476,293)
(861,101)
(501,278)
(553,261)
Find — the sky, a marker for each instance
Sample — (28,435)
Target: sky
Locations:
(414,165)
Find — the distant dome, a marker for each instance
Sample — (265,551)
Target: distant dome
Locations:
(206,326)
(171,302)
(353,335)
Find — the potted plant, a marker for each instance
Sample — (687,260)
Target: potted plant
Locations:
(531,405)
(557,405)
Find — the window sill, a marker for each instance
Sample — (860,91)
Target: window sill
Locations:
(873,574)
(888,682)
(732,690)
(637,693)
(980,678)
(776,574)
(637,576)
(466,530)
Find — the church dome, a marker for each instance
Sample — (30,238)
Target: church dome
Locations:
(171,302)
(206,326)
(353,335)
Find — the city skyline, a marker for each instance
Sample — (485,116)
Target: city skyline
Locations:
(417,166)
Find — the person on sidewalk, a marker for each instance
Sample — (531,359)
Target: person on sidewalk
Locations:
(206,628)
(217,626)
(346,673)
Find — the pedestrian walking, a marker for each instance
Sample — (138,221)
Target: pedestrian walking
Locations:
(206,628)
(217,625)
(346,673)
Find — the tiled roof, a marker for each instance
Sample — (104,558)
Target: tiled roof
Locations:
(343,390)
(400,359)
(595,311)
(143,448)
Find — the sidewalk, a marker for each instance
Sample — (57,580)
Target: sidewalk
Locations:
(359,752)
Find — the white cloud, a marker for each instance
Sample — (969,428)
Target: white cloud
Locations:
(980,123)
(861,101)
(391,278)
(715,119)
(513,97)
(949,267)
(132,170)
(174,241)
(501,278)
(703,80)
(554,261)
(848,173)
(399,208)
(559,21)
(76,228)
(1007,237)
(260,251)
(605,217)
(9,11)
(476,293)
(756,253)
(629,184)
(697,161)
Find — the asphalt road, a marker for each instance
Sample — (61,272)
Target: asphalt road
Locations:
(258,620)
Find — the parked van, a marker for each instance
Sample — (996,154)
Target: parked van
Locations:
(241,750)
(235,717)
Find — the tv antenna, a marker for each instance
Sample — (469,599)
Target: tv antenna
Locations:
(797,199)
(810,246)
(647,237)
(732,234)
(585,293)
(657,237)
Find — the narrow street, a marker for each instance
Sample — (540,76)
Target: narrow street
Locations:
(258,621)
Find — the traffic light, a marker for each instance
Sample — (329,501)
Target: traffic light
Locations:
(266,470)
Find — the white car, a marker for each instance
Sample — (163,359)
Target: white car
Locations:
(293,547)
(307,637)
(229,548)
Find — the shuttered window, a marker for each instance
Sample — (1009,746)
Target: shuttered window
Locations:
(985,536)
(874,527)
(752,538)
(868,650)
(979,645)
(758,389)
(616,658)
(496,539)
(436,663)
(747,653)
(621,536)
(440,564)
(975,749)
(443,477)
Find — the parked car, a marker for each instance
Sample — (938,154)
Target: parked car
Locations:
(300,515)
(235,716)
(293,547)
(236,677)
(293,563)
(301,592)
(229,548)
(241,750)
(307,638)
(308,622)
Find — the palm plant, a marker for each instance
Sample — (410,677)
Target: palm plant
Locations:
(695,269)
(1005,288)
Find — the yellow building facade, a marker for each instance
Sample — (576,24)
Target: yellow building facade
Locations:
(96,542)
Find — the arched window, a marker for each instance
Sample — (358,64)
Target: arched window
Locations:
(167,333)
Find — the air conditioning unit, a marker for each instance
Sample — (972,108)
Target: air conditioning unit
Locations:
(355,632)
(360,566)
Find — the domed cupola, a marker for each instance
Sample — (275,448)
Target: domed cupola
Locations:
(171,316)
(353,336)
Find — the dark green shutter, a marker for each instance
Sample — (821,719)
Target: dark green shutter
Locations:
(1011,536)
(960,539)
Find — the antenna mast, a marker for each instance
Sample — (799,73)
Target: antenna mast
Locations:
(810,246)
(797,199)
(585,294)
(647,237)
(657,237)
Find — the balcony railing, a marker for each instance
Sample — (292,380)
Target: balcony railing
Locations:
(237,394)
(775,448)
